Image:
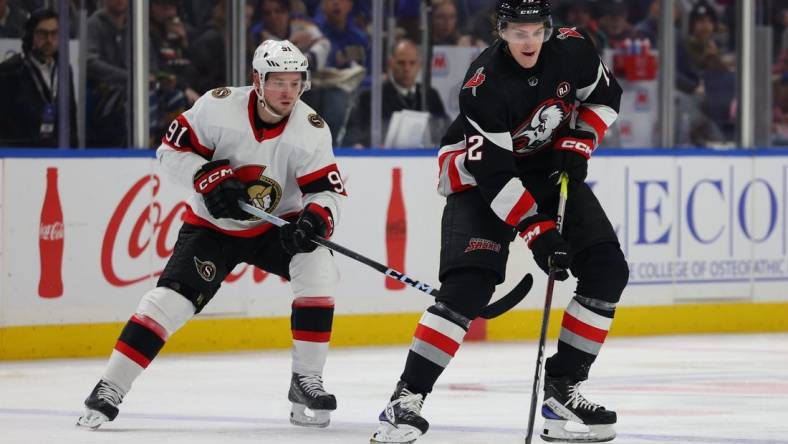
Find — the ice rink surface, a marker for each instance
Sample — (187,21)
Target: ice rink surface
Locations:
(675,389)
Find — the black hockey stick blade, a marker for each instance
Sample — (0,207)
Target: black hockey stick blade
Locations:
(509,300)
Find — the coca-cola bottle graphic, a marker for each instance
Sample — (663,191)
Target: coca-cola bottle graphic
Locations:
(50,240)
(396,230)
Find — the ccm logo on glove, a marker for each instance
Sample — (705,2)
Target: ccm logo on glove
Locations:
(536,230)
(212,178)
(580,146)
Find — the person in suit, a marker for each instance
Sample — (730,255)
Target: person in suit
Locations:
(401,90)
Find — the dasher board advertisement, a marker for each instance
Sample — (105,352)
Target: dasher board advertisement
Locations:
(85,238)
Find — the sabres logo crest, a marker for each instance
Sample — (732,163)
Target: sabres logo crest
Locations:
(538,129)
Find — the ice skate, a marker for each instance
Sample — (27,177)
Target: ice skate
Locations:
(401,420)
(101,406)
(307,393)
(569,417)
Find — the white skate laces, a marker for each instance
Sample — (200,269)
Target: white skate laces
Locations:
(579,401)
(409,401)
(312,385)
(109,394)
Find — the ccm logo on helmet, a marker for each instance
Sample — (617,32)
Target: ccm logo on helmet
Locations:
(577,145)
(213,177)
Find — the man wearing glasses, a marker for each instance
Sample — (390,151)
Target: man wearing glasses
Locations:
(29,87)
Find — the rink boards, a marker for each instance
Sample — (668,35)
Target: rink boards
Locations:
(705,236)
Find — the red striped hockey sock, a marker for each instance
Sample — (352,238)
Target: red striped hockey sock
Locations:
(311,322)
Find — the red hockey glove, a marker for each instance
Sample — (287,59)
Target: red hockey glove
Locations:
(573,148)
(550,250)
(314,220)
(221,190)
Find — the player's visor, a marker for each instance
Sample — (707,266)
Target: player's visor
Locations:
(520,33)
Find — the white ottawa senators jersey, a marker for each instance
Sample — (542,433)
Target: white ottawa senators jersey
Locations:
(284,167)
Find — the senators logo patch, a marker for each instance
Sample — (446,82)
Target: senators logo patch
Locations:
(475,81)
(206,269)
(264,192)
(316,120)
(221,93)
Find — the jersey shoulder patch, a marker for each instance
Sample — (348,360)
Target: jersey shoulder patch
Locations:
(315,120)
(565,33)
(221,93)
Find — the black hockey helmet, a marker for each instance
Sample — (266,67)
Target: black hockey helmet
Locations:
(524,11)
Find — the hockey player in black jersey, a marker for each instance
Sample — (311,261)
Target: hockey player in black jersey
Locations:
(536,102)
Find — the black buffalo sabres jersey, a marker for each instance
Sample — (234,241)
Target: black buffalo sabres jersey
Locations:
(510,115)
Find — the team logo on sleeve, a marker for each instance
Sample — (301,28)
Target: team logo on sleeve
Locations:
(264,192)
(221,93)
(475,81)
(538,129)
(316,120)
(206,269)
(563,33)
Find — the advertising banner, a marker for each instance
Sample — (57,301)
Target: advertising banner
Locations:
(84,238)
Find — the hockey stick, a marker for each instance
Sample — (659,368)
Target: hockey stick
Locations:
(563,194)
(497,308)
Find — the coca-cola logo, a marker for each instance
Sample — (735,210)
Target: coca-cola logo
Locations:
(51,232)
(152,228)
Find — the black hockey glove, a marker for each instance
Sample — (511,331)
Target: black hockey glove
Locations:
(221,190)
(550,250)
(314,220)
(572,148)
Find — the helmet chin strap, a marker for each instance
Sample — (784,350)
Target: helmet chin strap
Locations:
(268,108)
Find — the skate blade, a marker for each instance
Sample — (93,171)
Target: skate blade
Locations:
(388,433)
(300,416)
(91,419)
(556,430)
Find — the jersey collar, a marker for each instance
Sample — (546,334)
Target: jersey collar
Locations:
(262,133)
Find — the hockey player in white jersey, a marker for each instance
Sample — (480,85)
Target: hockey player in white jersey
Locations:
(263,145)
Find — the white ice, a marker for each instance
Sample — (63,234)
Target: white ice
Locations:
(679,389)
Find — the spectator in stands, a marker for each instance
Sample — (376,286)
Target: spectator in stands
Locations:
(445,26)
(482,25)
(400,91)
(12,19)
(208,51)
(278,23)
(701,44)
(108,75)
(29,88)
(172,72)
(581,14)
(614,24)
(349,44)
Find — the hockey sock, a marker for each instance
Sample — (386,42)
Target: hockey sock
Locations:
(584,328)
(140,341)
(310,322)
(437,338)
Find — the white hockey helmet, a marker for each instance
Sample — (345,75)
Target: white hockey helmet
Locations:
(279,56)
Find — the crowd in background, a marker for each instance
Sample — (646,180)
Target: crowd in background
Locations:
(187,58)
